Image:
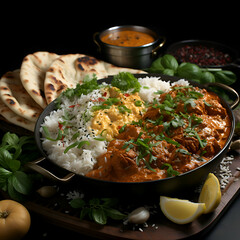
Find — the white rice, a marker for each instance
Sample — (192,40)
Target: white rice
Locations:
(82,160)
(77,160)
(150,85)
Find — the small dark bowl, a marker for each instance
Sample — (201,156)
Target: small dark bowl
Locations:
(232,53)
(169,186)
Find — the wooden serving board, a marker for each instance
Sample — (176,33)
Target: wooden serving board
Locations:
(57,211)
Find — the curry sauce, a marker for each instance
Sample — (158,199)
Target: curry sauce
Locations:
(127,38)
(181,130)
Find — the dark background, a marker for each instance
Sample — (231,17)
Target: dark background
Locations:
(68,27)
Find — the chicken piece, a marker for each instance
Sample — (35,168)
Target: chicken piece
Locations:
(190,143)
(152,113)
(130,132)
(212,148)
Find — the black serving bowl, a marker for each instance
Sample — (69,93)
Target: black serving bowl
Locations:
(228,52)
(169,186)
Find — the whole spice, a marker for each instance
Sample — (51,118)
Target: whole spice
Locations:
(202,55)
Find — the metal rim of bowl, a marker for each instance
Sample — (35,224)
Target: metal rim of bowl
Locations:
(193,42)
(172,79)
(129,27)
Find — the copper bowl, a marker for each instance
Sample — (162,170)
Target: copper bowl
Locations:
(132,57)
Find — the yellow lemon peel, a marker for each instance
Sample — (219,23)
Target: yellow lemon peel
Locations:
(184,211)
(180,211)
(210,193)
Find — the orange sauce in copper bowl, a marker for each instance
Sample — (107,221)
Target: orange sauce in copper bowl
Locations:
(129,45)
(128,38)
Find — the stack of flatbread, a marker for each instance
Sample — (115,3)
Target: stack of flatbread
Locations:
(25,92)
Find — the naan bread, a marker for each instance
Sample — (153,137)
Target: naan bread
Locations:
(113,70)
(32,74)
(14,95)
(69,70)
(13,118)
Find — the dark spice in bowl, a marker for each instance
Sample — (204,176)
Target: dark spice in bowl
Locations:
(202,55)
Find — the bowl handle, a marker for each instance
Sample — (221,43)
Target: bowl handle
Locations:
(95,35)
(154,51)
(229,89)
(34,166)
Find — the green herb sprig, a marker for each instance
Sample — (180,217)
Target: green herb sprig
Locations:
(98,209)
(14,154)
(170,171)
(89,84)
(126,82)
(167,64)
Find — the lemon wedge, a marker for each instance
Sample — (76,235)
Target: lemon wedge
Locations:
(180,211)
(210,193)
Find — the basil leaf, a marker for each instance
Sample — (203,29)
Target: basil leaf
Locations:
(114,214)
(77,203)
(109,202)
(168,72)
(4,173)
(207,77)
(10,139)
(14,165)
(156,66)
(84,212)
(13,193)
(5,157)
(169,62)
(21,182)
(189,71)
(225,77)
(99,216)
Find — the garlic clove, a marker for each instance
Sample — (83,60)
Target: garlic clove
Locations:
(139,216)
(235,145)
(47,191)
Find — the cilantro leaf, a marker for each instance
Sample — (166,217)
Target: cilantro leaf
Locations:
(126,81)
(170,171)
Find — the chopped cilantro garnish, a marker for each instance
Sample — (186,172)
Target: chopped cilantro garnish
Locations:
(123,109)
(138,103)
(106,104)
(125,81)
(89,84)
(170,171)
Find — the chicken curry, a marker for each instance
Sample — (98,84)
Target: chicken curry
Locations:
(179,131)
